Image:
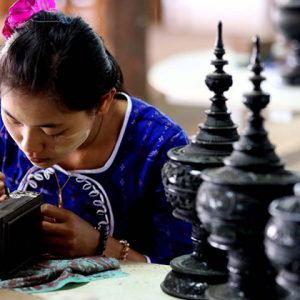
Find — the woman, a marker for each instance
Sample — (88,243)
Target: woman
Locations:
(95,153)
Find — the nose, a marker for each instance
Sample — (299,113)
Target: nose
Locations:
(31,141)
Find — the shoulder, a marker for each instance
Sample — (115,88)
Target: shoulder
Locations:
(150,134)
(149,119)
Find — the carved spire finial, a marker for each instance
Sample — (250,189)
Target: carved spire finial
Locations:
(254,151)
(218,131)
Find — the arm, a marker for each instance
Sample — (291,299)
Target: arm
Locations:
(67,235)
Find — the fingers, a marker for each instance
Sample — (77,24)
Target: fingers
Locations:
(57,242)
(66,234)
(50,220)
(2,177)
(50,227)
(53,212)
(3,197)
(58,221)
(2,187)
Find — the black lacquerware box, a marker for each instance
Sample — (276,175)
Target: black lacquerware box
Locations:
(20,231)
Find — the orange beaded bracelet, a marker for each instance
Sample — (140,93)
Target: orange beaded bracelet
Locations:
(125,250)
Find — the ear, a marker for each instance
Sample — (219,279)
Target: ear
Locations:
(106,101)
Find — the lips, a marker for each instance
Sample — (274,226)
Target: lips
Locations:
(39,160)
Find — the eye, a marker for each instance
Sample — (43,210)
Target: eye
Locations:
(15,122)
(52,134)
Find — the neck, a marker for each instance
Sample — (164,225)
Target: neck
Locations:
(98,147)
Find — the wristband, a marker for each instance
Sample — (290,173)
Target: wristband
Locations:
(103,230)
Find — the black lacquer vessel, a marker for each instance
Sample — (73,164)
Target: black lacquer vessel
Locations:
(233,201)
(288,22)
(191,274)
(282,242)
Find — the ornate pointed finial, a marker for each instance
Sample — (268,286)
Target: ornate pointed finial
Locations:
(219,63)
(256,67)
(254,151)
(218,132)
(219,50)
(216,135)
(256,51)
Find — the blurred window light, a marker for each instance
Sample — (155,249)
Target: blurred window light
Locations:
(248,17)
(83,3)
(76,3)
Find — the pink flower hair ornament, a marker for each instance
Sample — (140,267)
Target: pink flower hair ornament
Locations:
(21,11)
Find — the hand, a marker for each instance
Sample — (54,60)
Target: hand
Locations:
(3,196)
(67,235)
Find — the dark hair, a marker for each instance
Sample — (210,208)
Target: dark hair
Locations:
(61,57)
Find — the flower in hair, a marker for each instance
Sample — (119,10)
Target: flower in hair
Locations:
(21,11)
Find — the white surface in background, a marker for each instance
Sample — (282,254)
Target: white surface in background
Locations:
(180,78)
(242,18)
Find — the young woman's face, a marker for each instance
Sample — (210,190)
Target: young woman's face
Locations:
(42,131)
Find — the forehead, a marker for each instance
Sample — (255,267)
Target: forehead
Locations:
(32,109)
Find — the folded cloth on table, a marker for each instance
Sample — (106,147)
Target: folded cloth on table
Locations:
(52,274)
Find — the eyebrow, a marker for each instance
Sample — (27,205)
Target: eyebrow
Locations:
(46,125)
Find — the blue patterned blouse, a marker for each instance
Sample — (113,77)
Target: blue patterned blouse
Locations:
(126,193)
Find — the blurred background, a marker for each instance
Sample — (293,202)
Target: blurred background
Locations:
(165,47)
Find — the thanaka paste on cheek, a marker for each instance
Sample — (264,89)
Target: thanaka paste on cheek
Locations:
(67,144)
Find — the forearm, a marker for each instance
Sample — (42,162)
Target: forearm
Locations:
(114,249)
